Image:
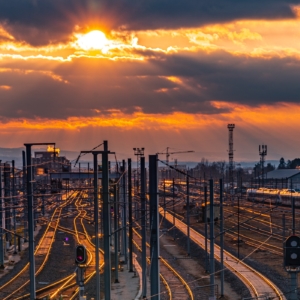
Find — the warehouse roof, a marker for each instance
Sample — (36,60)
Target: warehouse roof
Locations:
(282,173)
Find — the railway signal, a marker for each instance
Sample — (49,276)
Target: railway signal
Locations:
(292,263)
(80,257)
(292,251)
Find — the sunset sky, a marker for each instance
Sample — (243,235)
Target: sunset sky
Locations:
(153,74)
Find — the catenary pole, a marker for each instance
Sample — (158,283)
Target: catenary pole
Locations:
(124,219)
(173,194)
(116,232)
(211,231)
(130,216)
(222,237)
(106,222)
(154,228)
(30,223)
(205,228)
(96,221)
(14,201)
(143,207)
(25,204)
(1,222)
(188,215)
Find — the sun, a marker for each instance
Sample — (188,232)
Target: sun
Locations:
(93,40)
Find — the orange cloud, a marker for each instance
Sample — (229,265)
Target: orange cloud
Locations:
(272,116)
(5,87)
(258,38)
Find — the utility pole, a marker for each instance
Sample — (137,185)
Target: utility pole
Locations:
(130,215)
(154,225)
(188,215)
(25,204)
(222,237)
(7,202)
(106,221)
(116,232)
(124,214)
(211,231)
(173,196)
(1,222)
(96,224)
(31,218)
(144,248)
(238,227)
(205,228)
(14,202)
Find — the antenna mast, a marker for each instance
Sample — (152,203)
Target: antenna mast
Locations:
(263,153)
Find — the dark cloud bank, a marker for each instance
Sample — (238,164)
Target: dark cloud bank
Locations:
(104,85)
(48,21)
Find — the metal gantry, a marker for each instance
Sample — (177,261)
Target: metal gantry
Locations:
(106,220)
(31,216)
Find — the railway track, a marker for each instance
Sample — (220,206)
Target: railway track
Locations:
(18,284)
(257,284)
(255,228)
(68,285)
(177,288)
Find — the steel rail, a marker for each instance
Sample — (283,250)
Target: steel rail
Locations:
(57,210)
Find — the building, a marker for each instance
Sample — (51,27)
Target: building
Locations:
(282,179)
(49,161)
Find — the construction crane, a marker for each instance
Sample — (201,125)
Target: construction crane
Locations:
(169,153)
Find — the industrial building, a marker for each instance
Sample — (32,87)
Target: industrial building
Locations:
(282,179)
(49,161)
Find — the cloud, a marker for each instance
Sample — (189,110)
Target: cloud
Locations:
(165,83)
(51,21)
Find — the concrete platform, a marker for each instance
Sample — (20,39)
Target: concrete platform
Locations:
(129,286)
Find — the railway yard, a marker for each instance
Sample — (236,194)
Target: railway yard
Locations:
(253,255)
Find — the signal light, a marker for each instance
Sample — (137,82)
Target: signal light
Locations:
(80,257)
(292,251)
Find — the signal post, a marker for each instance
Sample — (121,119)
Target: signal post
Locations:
(80,260)
(292,263)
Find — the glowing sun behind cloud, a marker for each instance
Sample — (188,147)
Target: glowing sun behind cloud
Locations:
(93,40)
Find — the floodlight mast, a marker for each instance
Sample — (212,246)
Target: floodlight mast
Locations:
(263,153)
